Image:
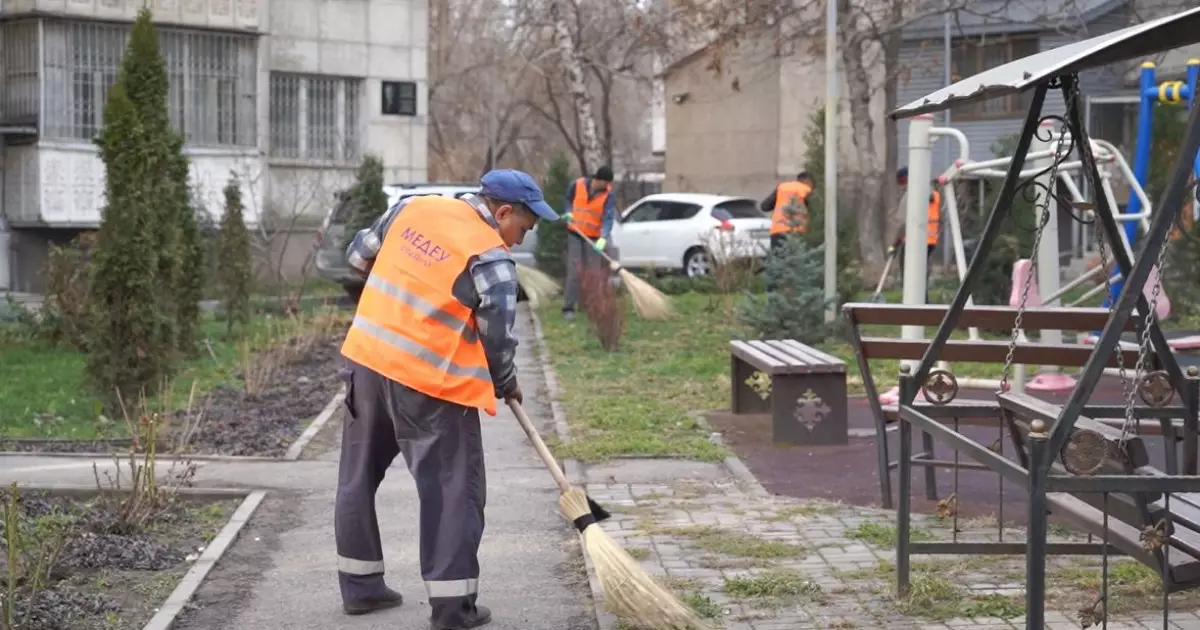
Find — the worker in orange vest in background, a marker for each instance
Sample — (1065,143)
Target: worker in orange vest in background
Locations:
(933,214)
(590,211)
(431,344)
(788,205)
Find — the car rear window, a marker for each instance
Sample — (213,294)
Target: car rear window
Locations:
(736,209)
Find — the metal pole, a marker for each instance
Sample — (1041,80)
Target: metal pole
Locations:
(831,165)
(916,220)
(946,79)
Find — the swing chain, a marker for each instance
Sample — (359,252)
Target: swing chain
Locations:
(1144,346)
(1043,220)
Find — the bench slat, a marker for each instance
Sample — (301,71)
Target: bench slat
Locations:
(749,354)
(1028,353)
(1029,406)
(817,354)
(989,317)
(807,357)
(769,350)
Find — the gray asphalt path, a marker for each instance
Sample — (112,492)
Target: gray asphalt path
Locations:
(280,574)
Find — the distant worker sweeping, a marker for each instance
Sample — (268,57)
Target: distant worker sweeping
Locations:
(788,205)
(590,211)
(432,343)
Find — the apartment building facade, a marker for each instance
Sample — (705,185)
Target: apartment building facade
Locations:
(285,95)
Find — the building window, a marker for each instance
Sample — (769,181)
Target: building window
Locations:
(19,72)
(211,93)
(399,98)
(972,55)
(315,117)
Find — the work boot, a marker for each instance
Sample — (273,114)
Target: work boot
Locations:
(481,617)
(381,601)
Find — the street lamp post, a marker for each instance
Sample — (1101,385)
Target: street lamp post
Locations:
(831,155)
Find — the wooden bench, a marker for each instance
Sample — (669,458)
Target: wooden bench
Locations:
(807,401)
(984,413)
(1129,513)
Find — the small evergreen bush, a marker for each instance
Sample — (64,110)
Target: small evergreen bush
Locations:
(233,259)
(551,249)
(368,201)
(794,305)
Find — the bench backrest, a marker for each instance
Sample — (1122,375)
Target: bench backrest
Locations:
(986,317)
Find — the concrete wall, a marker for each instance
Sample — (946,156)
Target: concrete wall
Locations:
(376,40)
(722,131)
(226,14)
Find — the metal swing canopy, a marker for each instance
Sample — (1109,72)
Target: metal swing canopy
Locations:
(1141,40)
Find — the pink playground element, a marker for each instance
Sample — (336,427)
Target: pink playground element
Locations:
(941,180)
(1021,270)
(1049,381)
(892,396)
(959,162)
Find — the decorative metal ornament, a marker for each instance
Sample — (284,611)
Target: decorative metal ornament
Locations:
(810,410)
(1155,389)
(941,387)
(1084,453)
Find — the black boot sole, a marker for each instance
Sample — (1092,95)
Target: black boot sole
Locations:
(364,608)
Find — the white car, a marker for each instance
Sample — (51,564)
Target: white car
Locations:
(686,232)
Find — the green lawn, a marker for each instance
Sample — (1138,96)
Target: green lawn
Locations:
(44,392)
(634,402)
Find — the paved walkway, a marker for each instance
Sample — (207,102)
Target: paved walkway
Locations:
(280,573)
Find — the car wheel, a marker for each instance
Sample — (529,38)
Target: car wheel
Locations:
(696,263)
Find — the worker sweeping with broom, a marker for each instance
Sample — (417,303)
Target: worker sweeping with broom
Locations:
(431,344)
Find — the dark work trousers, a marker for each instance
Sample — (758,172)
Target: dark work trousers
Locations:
(580,254)
(443,447)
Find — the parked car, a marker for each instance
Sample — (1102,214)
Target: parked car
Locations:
(686,232)
(331,255)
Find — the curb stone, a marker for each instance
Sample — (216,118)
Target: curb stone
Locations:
(293,453)
(191,581)
(573,469)
(732,462)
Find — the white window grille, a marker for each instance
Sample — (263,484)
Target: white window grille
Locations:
(19,72)
(315,117)
(211,95)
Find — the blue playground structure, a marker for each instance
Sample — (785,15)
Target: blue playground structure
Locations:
(1151,93)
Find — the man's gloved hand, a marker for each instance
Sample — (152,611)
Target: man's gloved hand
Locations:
(600,243)
(566,216)
(514,393)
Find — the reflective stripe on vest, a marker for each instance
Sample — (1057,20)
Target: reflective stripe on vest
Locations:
(933,228)
(409,327)
(587,215)
(787,193)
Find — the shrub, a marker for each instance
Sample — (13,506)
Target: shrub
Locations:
(794,305)
(64,313)
(233,259)
(604,305)
(551,248)
(368,201)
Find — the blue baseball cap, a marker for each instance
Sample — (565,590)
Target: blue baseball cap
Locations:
(513,186)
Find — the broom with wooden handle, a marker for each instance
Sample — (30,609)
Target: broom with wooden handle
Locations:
(649,302)
(629,592)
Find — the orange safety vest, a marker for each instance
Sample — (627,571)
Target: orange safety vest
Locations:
(409,327)
(587,215)
(935,219)
(786,193)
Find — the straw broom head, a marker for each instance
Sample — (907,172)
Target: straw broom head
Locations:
(649,302)
(629,592)
(537,284)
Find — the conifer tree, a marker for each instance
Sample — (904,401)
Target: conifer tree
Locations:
(368,201)
(551,248)
(233,259)
(131,345)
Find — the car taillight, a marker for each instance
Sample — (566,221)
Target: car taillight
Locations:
(725,226)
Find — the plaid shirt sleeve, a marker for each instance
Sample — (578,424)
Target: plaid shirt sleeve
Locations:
(494,274)
(361,252)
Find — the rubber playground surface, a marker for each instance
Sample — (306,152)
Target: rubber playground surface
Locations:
(850,473)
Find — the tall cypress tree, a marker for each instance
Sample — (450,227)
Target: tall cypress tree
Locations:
(181,268)
(368,201)
(131,347)
(233,259)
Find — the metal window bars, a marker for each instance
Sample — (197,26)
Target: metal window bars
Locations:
(315,118)
(212,77)
(19,72)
